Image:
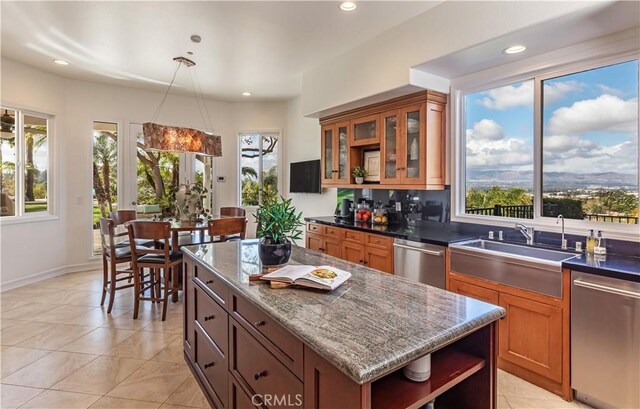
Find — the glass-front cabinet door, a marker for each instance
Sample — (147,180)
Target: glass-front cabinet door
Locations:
(327,164)
(343,175)
(414,144)
(390,148)
(365,130)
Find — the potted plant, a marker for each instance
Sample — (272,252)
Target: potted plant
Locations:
(359,173)
(278,225)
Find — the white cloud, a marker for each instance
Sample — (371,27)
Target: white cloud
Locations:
(605,113)
(486,129)
(512,96)
(611,91)
(555,91)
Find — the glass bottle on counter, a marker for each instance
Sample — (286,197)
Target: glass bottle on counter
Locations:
(601,245)
(591,242)
(379,215)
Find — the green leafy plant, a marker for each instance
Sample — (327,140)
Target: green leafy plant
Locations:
(278,221)
(359,172)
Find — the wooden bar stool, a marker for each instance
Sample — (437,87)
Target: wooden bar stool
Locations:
(228,226)
(120,217)
(112,256)
(163,264)
(233,211)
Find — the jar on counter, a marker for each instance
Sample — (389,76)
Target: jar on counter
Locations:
(363,213)
(380,216)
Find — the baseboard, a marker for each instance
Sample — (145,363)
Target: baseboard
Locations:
(34,278)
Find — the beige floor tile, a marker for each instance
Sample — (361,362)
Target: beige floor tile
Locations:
(100,375)
(521,402)
(142,345)
(512,386)
(153,382)
(27,312)
(502,403)
(15,358)
(61,314)
(9,303)
(169,406)
(188,394)
(17,333)
(174,352)
(98,341)
(49,370)
(172,324)
(96,317)
(88,298)
(14,396)
(8,323)
(62,400)
(56,337)
(126,321)
(107,402)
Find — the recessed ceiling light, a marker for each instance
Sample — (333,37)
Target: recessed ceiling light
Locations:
(196,38)
(246,94)
(514,49)
(348,6)
(61,62)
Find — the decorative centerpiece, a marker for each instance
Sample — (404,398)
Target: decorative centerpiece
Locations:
(359,173)
(278,225)
(189,202)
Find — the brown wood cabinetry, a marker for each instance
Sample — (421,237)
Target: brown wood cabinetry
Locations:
(534,334)
(409,131)
(369,249)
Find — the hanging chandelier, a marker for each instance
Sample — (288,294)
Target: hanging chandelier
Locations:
(180,139)
(7,126)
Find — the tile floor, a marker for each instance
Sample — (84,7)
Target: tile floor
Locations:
(62,350)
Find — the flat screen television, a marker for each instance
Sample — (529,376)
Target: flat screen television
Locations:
(304,177)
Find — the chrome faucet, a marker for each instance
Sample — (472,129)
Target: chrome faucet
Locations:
(564,242)
(527,232)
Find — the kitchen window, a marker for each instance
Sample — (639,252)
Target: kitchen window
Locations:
(25,158)
(562,142)
(259,170)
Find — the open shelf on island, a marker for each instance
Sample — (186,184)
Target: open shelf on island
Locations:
(449,367)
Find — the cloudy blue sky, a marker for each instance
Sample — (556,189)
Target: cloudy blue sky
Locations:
(590,123)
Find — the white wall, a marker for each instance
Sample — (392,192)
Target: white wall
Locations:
(302,142)
(29,251)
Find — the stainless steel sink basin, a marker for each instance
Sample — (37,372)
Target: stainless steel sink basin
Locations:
(543,255)
(529,268)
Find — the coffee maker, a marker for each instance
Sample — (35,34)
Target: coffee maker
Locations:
(344,211)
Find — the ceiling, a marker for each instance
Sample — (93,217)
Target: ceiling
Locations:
(259,47)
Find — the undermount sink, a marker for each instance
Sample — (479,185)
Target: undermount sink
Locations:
(544,255)
(529,268)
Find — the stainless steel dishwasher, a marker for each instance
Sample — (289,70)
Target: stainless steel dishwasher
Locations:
(419,262)
(605,341)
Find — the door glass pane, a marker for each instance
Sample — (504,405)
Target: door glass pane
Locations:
(342,152)
(413,145)
(390,139)
(250,169)
(328,154)
(36,164)
(269,168)
(204,176)
(8,163)
(105,175)
(590,145)
(158,176)
(365,130)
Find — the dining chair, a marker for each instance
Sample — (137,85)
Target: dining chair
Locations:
(233,211)
(113,255)
(163,264)
(120,217)
(228,226)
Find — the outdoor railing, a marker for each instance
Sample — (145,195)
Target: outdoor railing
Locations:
(551,210)
(611,219)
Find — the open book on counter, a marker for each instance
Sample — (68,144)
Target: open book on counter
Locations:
(322,277)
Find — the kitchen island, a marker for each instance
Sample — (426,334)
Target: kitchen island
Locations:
(253,346)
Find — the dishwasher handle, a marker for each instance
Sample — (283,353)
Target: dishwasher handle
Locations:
(425,251)
(599,287)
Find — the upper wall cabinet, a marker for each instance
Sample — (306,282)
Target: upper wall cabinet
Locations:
(409,133)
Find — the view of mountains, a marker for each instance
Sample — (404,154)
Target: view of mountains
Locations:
(552,180)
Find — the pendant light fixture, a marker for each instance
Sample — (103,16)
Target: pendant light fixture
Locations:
(180,139)
(7,126)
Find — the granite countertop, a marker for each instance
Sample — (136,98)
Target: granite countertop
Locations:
(431,232)
(614,266)
(369,326)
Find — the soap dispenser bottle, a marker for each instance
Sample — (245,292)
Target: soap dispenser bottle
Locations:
(591,242)
(601,245)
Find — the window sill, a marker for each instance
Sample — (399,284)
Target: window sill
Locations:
(11,220)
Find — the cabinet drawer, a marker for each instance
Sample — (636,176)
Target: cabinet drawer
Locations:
(213,319)
(213,285)
(272,335)
(474,291)
(212,364)
(352,235)
(257,367)
(238,398)
(377,240)
(314,228)
(336,232)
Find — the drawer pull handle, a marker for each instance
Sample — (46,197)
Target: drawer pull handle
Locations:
(209,365)
(259,323)
(210,317)
(209,282)
(259,375)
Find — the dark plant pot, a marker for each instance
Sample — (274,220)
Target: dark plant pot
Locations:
(274,254)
